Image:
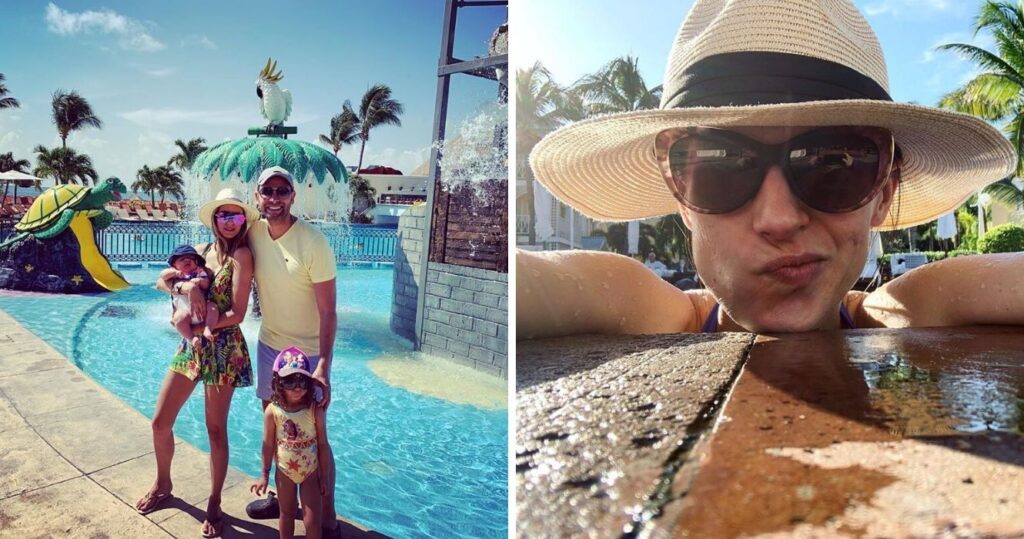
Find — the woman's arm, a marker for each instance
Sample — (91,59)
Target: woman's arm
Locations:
(241,284)
(578,292)
(962,291)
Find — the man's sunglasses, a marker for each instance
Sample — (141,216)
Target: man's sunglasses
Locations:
(295,382)
(831,169)
(279,192)
(226,217)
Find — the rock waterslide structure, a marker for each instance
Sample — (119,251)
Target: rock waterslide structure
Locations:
(53,248)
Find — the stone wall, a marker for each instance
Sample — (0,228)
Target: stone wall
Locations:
(466,318)
(465,309)
(408,256)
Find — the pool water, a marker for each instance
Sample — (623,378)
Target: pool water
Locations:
(407,465)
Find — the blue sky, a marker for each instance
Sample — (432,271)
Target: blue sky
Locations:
(572,42)
(157,71)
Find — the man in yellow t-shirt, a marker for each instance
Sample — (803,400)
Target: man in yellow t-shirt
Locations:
(295,275)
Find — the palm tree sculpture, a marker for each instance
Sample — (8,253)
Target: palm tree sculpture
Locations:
(376,109)
(72,112)
(345,129)
(6,102)
(188,151)
(65,165)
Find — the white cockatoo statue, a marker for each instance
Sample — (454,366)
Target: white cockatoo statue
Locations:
(275,103)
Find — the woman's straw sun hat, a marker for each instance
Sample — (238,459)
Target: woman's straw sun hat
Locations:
(777,63)
(224,197)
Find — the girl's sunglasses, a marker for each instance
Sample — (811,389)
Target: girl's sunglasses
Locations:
(831,169)
(295,382)
(236,219)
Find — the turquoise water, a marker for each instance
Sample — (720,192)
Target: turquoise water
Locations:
(407,465)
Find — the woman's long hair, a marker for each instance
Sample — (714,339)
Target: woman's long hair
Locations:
(226,247)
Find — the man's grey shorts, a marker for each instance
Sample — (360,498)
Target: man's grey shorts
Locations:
(265,356)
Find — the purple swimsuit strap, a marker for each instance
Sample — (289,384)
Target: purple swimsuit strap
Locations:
(711,322)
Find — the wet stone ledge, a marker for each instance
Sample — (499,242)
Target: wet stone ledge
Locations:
(604,424)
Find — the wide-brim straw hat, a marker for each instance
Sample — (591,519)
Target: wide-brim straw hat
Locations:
(780,63)
(224,197)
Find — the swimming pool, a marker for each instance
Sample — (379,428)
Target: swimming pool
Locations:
(408,465)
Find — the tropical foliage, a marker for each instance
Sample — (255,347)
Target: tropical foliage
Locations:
(8,163)
(618,87)
(71,112)
(363,199)
(376,109)
(64,165)
(246,157)
(187,153)
(1005,238)
(345,129)
(6,102)
(162,180)
(536,115)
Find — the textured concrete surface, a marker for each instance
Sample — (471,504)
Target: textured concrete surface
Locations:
(873,433)
(74,458)
(604,422)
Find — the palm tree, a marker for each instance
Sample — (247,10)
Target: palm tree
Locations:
(72,112)
(6,102)
(8,163)
(997,94)
(345,129)
(363,199)
(376,109)
(148,182)
(618,87)
(188,151)
(536,116)
(64,165)
(169,182)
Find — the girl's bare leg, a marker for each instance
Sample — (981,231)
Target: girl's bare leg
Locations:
(173,394)
(286,498)
(218,402)
(312,505)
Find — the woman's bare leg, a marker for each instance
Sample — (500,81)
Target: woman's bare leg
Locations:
(312,505)
(218,402)
(286,498)
(173,394)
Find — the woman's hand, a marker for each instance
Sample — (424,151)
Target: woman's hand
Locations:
(259,488)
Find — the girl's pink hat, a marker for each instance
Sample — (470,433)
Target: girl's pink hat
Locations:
(291,360)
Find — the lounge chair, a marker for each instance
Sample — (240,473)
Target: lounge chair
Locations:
(122,215)
(144,215)
(171,215)
(158,214)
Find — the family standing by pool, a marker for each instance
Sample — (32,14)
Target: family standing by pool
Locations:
(779,145)
(294,269)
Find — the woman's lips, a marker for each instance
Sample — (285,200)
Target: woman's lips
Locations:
(795,271)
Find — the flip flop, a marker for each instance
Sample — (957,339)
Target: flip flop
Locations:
(155,499)
(214,526)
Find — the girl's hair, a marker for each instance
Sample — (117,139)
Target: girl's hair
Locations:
(226,247)
(277,392)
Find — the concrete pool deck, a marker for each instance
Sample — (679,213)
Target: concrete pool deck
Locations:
(63,476)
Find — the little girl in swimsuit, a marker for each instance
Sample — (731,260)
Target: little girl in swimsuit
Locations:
(294,434)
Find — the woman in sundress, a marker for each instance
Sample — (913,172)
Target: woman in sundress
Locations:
(221,364)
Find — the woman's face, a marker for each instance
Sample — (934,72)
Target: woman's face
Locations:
(225,219)
(777,265)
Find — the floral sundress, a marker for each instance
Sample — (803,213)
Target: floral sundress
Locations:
(226,361)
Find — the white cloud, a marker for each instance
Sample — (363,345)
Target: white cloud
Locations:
(8,142)
(160,72)
(164,117)
(198,41)
(910,7)
(132,34)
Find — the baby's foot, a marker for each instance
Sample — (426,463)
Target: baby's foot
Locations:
(208,333)
(197,343)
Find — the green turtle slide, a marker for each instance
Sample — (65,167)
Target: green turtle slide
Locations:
(92,259)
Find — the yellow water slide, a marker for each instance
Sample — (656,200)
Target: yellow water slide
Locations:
(92,259)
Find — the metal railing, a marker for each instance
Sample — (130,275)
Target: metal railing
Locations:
(147,242)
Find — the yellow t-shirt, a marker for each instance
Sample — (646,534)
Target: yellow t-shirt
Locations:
(285,271)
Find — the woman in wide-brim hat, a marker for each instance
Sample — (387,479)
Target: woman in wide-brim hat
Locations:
(779,145)
(221,364)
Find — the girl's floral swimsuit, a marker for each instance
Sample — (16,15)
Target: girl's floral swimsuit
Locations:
(296,442)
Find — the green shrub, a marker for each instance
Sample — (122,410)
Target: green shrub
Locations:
(968,223)
(1008,238)
(961,252)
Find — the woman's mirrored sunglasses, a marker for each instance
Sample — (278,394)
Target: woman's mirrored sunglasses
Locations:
(224,217)
(279,192)
(295,381)
(831,169)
